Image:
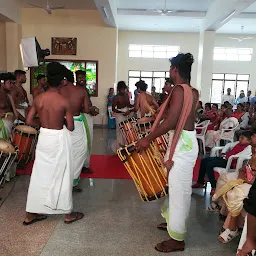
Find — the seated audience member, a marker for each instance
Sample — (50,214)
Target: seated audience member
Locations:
(228,105)
(222,112)
(243,118)
(241,99)
(199,111)
(250,208)
(145,104)
(231,190)
(229,122)
(240,148)
(211,114)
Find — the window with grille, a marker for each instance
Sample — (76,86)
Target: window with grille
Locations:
(153,51)
(232,54)
(221,82)
(151,78)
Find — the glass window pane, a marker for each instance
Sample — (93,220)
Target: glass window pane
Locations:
(160,55)
(136,47)
(146,74)
(159,74)
(172,54)
(159,84)
(230,76)
(245,57)
(216,92)
(219,50)
(232,57)
(217,76)
(147,54)
(148,81)
(243,77)
(173,48)
(167,74)
(241,85)
(159,48)
(219,56)
(132,87)
(148,48)
(231,85)
(231,50)
(134,73)
(135,54)
(245,51)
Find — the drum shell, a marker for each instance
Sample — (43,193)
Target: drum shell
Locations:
(6,160)
(146,170)
(26,144)
(128,130)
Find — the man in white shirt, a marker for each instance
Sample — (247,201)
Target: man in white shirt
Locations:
(228,97)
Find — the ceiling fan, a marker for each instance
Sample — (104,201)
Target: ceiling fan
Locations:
(49,8)
(164,11)
(241,38)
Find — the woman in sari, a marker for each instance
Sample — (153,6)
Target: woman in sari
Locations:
(211,113)
(111,96)
(242,115)
(228,123)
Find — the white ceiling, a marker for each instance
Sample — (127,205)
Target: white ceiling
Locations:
(68,4)
(189,15)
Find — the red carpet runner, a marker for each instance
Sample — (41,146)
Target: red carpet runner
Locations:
(106,167)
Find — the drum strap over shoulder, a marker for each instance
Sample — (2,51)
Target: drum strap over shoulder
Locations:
(186,109)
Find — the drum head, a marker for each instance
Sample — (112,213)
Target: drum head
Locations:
(144,120)
(6,146)
(26,129)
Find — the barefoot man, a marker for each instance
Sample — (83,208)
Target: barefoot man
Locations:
(20,95)
(8,112)
(78,99)
(176,208)
(50,189)
(93,111)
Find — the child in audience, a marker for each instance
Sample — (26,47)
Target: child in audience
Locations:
(240,148)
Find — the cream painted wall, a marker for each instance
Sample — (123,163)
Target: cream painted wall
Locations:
(2,46)
(95,42)
(187,42)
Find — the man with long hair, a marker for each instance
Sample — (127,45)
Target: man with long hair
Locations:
(180,170)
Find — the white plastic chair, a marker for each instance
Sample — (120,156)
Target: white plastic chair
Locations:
(241,161)
(229,138)
(202,127)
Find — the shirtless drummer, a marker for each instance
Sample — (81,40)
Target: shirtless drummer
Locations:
(20,95)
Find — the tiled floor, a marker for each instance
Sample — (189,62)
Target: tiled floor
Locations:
(116,222)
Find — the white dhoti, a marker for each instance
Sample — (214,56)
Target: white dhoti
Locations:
(177,204)
(51,183)
(79,146)
(22,111)
(6,128)
(89,133)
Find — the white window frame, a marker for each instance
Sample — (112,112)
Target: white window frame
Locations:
(233,80)
(232,54)
(153,51)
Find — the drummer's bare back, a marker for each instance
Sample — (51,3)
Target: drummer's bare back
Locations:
(122,101)
(77,97)
(52,108)
(176,104)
